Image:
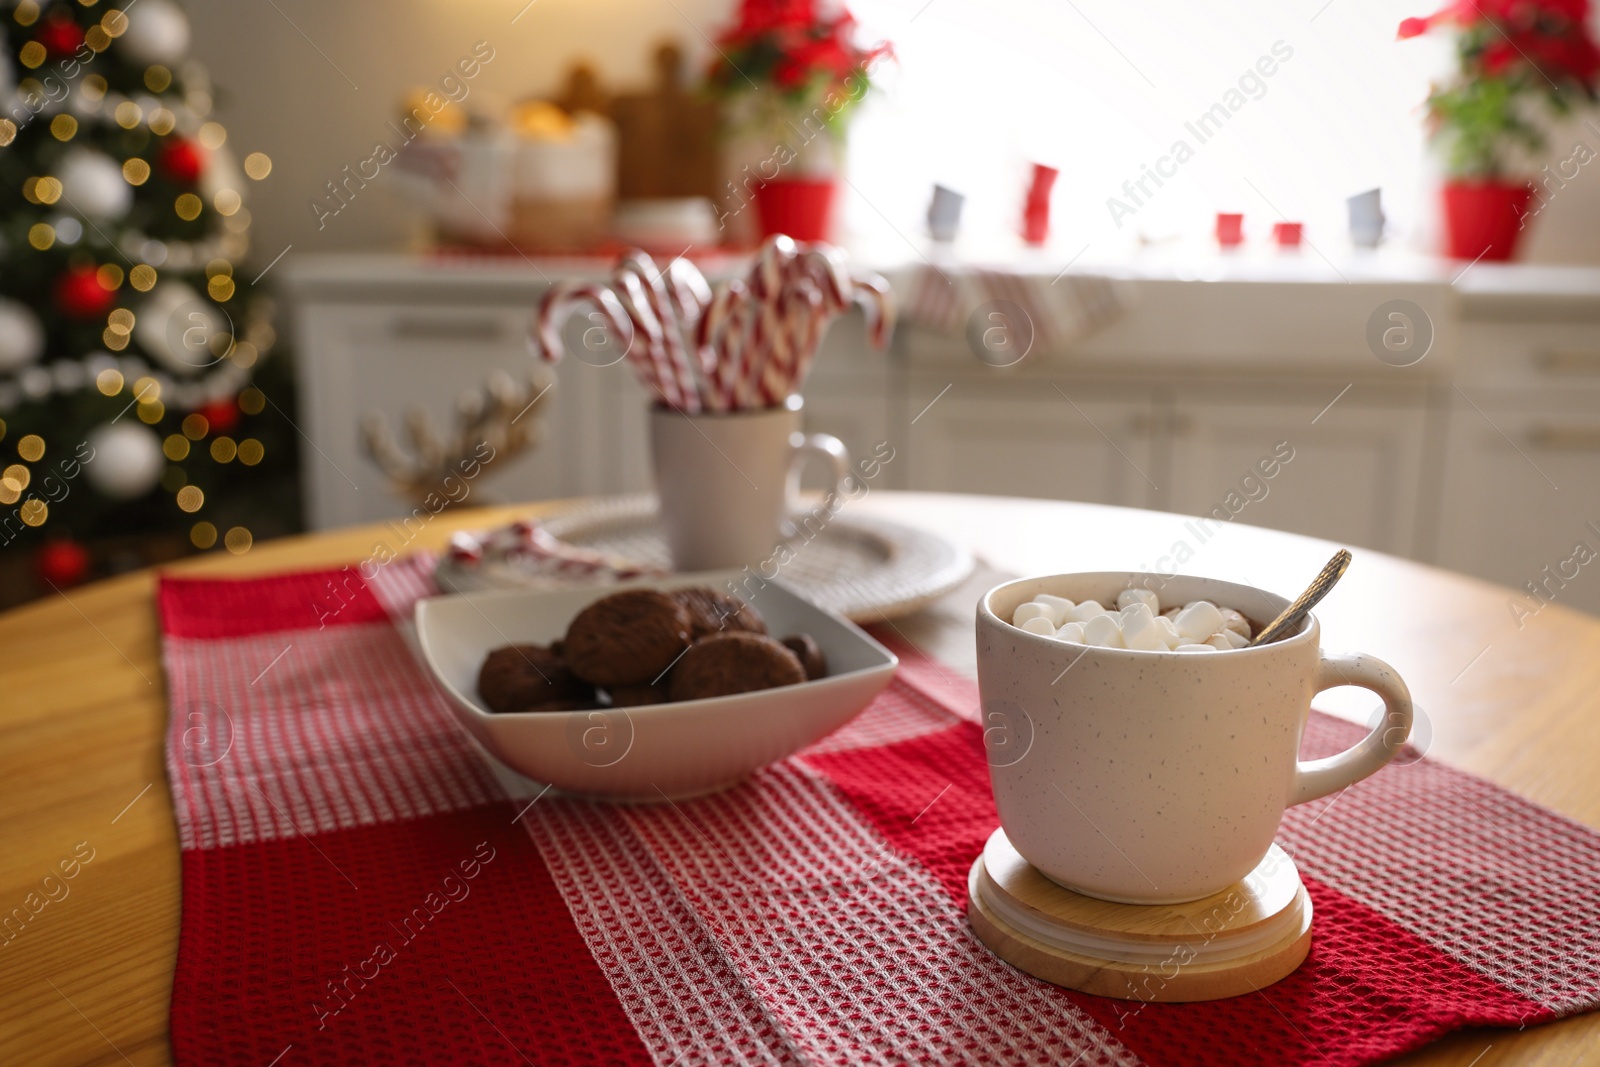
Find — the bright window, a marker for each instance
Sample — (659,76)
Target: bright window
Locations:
(1310,102)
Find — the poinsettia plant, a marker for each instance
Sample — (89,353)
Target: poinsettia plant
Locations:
(794,55)
(1511,55)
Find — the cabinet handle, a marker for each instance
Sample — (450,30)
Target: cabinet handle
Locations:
(1569,361)
(1176,424)
(1585,438)
(430,329)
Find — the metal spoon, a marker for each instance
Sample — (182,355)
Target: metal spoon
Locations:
(1319,587)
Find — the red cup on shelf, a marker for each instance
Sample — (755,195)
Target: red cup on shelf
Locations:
(1230,229)
(1036,208)
(1287,234)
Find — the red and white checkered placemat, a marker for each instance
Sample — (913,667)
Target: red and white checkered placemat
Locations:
(360,887)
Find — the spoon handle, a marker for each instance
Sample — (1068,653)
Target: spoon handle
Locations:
(1290,617)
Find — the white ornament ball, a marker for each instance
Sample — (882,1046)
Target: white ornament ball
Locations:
(176,326)
(92,184)
(21,335)
(127,460)
(157,32)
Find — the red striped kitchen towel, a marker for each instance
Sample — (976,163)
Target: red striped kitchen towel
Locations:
(360,886)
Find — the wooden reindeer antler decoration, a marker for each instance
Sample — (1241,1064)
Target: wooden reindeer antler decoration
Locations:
(493,423)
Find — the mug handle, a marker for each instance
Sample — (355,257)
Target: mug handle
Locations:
(828,447)
(1318,778)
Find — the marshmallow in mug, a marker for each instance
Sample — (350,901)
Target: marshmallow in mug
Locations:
(1137,622)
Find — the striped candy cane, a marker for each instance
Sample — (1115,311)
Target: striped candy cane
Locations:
(751,340)
(771,266)
(777,359)
(558,305)
(650,358)
(671,357)
(721,329)
(872,292)
(825,266)
(808,314)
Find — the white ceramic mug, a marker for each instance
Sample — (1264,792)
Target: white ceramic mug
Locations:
(1160,777)
(727,483)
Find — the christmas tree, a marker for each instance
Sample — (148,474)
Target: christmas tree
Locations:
(139,415)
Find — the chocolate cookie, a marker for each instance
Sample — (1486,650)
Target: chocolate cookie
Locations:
(809,654)
(712,612)
(728,663)
(627,638)
(523,677)
(637,696)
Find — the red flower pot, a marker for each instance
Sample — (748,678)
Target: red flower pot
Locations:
(799,207)
(1483,218)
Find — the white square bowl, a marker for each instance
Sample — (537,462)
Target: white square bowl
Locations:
(660,751)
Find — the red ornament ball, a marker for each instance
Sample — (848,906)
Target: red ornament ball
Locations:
(80,295)
(222,415)
(62,562)
(60,34)
(181,160)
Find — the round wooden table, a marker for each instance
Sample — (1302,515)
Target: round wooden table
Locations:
(82,715)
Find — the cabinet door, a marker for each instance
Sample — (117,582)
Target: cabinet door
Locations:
(359,359)
(1349,473)
(1522,491)
(1032,438)
(849,394)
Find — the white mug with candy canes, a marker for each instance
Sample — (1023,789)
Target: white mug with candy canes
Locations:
(725,368)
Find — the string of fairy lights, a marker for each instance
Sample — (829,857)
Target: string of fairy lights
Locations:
(170,354)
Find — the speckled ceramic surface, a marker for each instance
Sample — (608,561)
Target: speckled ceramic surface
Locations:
(1160,777)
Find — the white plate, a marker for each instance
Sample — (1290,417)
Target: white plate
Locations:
(865,568)
(663,751)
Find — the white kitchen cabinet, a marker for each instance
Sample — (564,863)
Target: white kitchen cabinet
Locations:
(851,393)
(375,359)
(1521,486)
(1048,439)
(1522,490)
(1351,472)
(1169,407)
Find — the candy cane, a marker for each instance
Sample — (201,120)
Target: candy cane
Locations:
(872,292)
(809,316)
(718,334)
(690,293)
(557,306)
(723,300)
(825,265)
(772,260)
(692,298)
(650,359)
(777,363)
(663,307)
(804,306)
(751,343)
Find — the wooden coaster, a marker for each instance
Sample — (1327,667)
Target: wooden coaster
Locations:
(1236,941)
